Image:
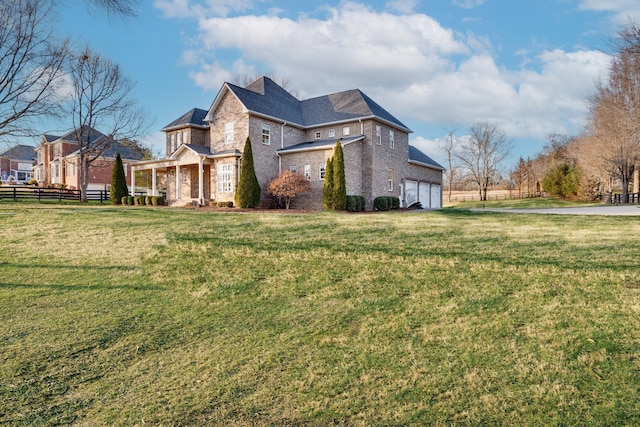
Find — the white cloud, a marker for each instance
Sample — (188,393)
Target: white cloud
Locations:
(622,10)
(403,6)
(416,68)
(468,4)
(195,8)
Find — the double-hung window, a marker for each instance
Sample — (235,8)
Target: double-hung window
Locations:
(266,134)
(307,172)
(390,179)
(392,139)
(322,169)
(228,133)
(225,178)
(378,135)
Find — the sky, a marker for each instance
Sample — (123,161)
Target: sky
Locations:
(526,66)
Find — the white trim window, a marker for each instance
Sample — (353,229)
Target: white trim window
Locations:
(228,133)
(332,133)
(322,169)
(266,134)
(389,179)
(293,168)
(318,135)
(307,172)
(172,143)
(378,135)
(225,178)
(392,140)
(184,136)
(183,171)
(346,130)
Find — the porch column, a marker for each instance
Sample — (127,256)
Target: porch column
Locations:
(133,182)
(177,181)
(636,180)
(153,181)
(200,181)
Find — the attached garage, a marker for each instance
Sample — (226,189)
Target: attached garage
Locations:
(423,194)
(410,192)
(436,197)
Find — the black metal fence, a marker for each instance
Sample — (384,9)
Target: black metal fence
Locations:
(36,193)
(617,199)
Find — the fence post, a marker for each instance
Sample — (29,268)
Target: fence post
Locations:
(15,194)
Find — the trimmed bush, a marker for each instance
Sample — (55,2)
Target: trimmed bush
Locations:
(157,200)
(394,202)
(381,203)
(139,200)
(130,200)
(361,203)
(222,204)
(352,204)
(33,182)
(385,203)
(124,200)
(147,200)
(229,204)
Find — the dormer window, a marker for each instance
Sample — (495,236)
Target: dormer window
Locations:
(332,133)
(345,131)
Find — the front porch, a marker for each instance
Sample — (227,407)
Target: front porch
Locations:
(189,175)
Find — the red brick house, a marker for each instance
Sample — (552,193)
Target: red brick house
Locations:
(58,160)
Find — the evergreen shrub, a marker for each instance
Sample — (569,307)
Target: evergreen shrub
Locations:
(157,200)
(147,200)
(124,200)
(130,200)
(381,203)
(352,204)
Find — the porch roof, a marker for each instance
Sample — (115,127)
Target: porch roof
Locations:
(319,144)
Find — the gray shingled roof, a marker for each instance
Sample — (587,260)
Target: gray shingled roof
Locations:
(20,152)
(199,149)
(125,152)
(71,135)
(418,156)
(193,117)
(319,144)
(267,98)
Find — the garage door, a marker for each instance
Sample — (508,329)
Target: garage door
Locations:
(410,192)
(435,197)
(423,195)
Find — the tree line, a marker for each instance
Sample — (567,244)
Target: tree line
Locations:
(601,159)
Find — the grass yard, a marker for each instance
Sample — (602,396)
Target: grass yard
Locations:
(142,316)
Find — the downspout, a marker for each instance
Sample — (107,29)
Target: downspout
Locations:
(361,127)
(281,147)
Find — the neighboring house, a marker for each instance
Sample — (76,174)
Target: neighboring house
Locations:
(16,164)
(204,147)
(58,160)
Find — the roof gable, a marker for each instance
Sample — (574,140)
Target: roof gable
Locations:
(193,117)
(265,97)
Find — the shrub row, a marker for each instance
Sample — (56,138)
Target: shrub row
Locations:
(355,203)
(385,203)
(143,200)
(228,204)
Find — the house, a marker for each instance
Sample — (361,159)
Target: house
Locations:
(16,164)
(59,159)
(204,147)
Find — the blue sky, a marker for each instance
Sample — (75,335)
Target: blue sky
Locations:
(526,66)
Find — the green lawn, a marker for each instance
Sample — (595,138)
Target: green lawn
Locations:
(131,316)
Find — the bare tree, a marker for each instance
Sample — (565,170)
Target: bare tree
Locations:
(615,111)
(448,145)
(482,153)
(102,109)
(31,66)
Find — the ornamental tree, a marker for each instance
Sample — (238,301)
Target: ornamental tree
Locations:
(339,198)
(288,185)
(248,192)
(327,189)
(118,182)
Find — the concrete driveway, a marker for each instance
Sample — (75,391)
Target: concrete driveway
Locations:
(621,210)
